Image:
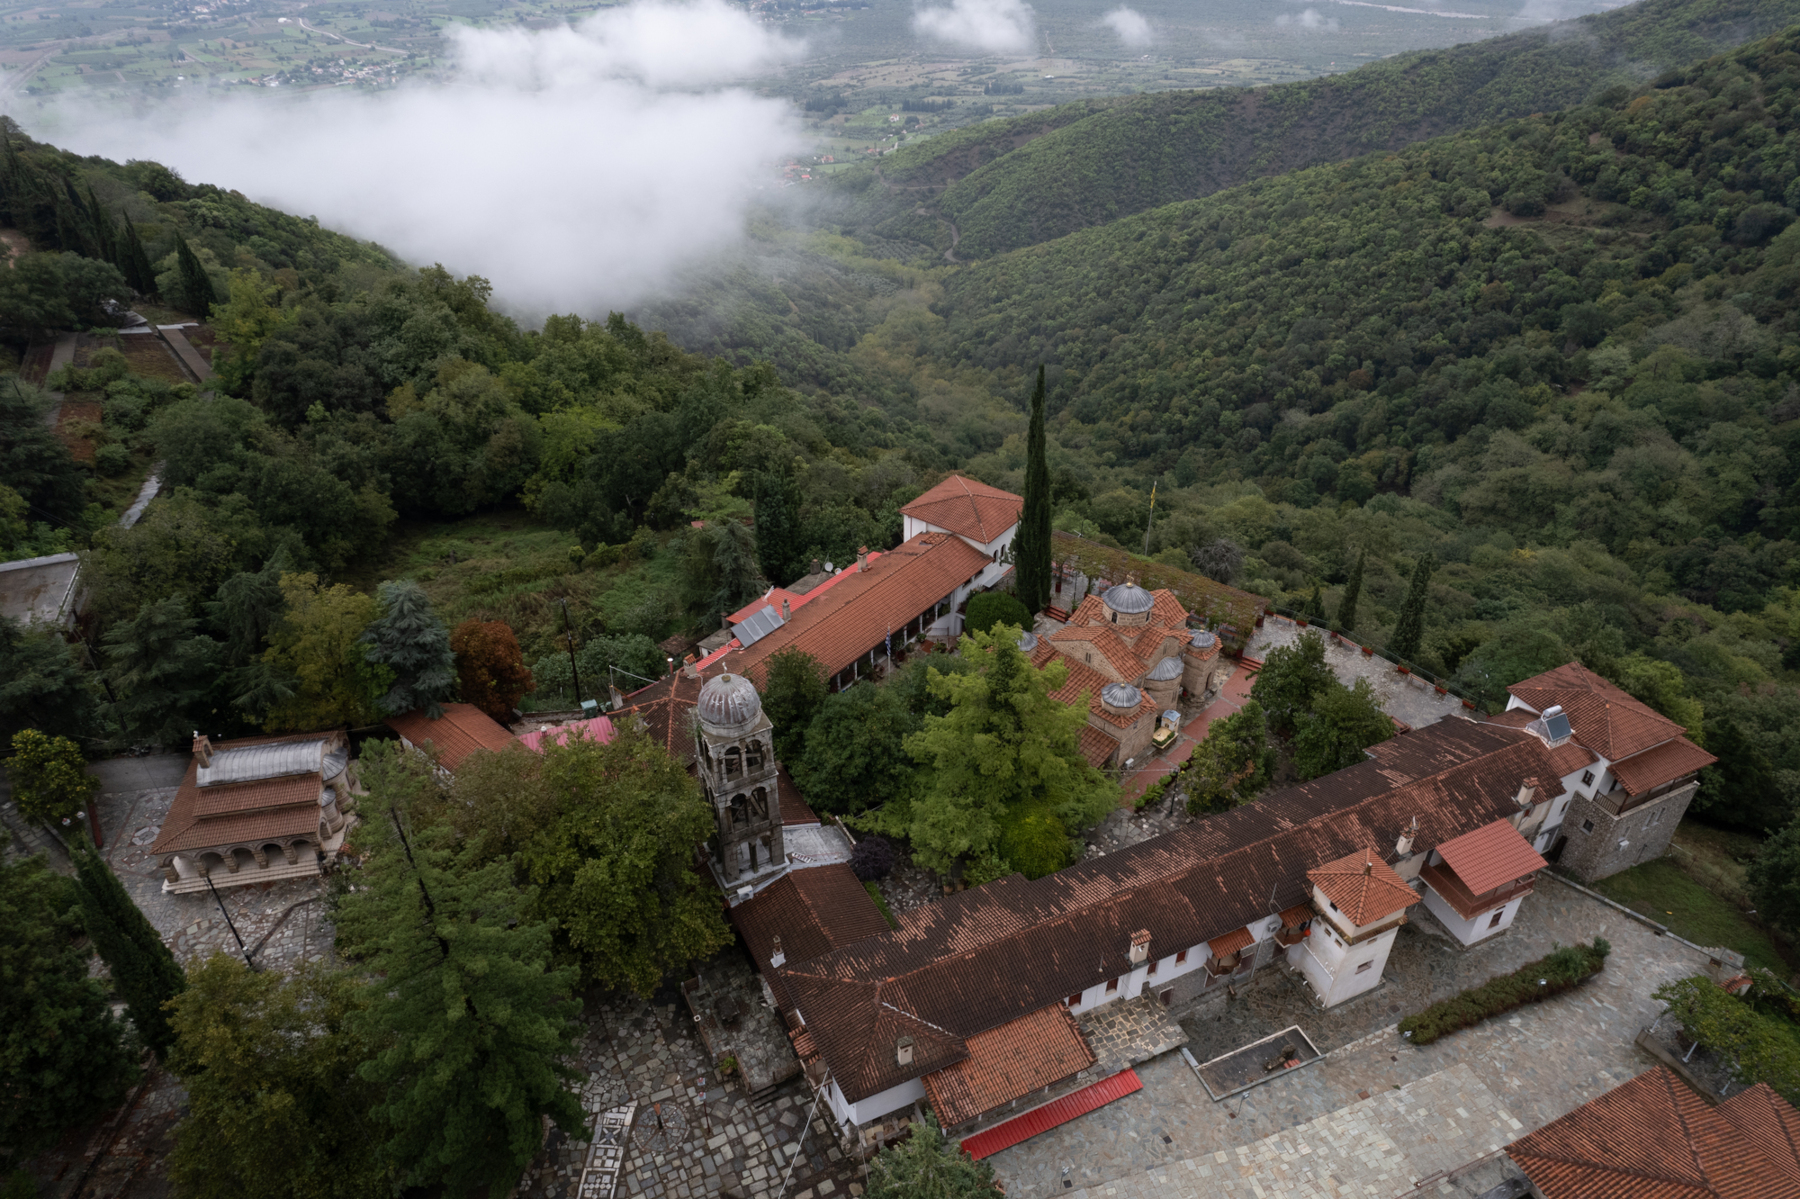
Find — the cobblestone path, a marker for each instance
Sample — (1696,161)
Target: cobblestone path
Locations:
(1539,1062)
(1382,1145)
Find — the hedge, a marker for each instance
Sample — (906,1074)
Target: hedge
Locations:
(1534,982)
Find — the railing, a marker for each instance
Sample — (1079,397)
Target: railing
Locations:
(1443,686)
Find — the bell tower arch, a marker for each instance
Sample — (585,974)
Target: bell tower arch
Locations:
(738,771)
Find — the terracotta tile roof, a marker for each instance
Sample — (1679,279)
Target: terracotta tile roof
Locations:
(814,911)
(662,708)
(1168,611)
(1231,942)
(1105,643)
(600,729)
(1005,1063)
(1466,902)
(794,808)
(1096,746)
(1212,601)
(856,615)
(1363,886)
(968,509)
(1297,915)
(1568,757)
(1490,857)
(241,813)
(1654,1138)
(1085,680)
(1604,718)
(1663,764)
(953,964)
(1770,1121)
(1090,611)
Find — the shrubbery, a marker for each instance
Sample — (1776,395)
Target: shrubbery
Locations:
(1564,968)
(990,608)
(1758,1047)
(872,859)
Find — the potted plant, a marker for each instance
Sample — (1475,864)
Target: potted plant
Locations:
(1403,669)
(1301,621)
(1469,703)
(1368,651)
(1441,689)
(727,1066)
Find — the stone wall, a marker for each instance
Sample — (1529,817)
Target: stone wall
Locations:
(1646,831)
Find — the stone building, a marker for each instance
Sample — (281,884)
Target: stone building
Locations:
(735,761)
(257,809)
(1629,772)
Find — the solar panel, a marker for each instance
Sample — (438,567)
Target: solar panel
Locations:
(1557,725)
(757,625)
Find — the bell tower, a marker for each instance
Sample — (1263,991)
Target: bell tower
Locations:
(737,770)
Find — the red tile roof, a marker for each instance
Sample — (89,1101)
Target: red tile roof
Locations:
(258,810)
(662,708)
(968,509)
(1107,644)
(1096,746)
(1005,1063)
(1605,719)
(1490,857)
(599,730)
(1217,603)
(814,911)
(857,615)
(1231,942)
(461,731)
(1654,1138)
(1363,886)
(794,808)
(1663,764)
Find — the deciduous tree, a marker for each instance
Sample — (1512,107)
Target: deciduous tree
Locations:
(1774,878)
(1292,678)
(855,750)
(1343,722)
(490,669)
(317,646)
(144,971)
(927,1166)
(989,608)
(271,1059)
(63,1057)
(48,776)
(1233,764)
(793,689)
(411,641)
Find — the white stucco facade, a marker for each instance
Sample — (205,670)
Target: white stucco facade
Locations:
(1475,928)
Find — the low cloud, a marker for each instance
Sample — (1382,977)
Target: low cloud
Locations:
(993,26)
(1130,26)
(1309,20)
(578,168)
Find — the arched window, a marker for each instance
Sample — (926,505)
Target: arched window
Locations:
(740,811)
(759,803)
(734,762)
(753,756)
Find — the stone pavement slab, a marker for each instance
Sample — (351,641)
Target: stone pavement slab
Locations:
(1404,697)
(1380,1146)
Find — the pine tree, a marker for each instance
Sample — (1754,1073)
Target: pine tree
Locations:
(143,970)
(473,1018)
(135,262)
(1031,545)
(1346,617)
(1410,630)
(197,294)
(410,640)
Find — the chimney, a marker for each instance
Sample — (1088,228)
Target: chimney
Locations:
(862,557)
(815,567)
(903,1051)
(203,748)
(1528,792)
(787,612)
(1403,847)
(777,958)
(1368,867)
(1140,946)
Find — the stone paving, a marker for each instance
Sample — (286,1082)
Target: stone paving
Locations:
(1382,1145)
(1540,1061)
(1128,1032)
(1404,697)
(289,913)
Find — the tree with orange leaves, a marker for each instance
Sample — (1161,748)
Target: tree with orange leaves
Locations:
(490,668)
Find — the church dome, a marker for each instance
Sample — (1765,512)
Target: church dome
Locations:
(1203,639)
(1165,671)
(1028,641)
(729,703)
(1121,697)
(1128,599)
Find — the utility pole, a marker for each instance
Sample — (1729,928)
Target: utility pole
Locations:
(228,923)
(1151,521)
(569,634)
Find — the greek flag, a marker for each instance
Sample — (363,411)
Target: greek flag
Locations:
(890,641)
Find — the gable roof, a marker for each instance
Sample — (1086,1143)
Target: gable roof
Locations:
(1004,1063)
(251,810)
(968,508)
(599,730)
(813,911)
(663,708)
(1363,886)
(1605,719)
(953,964)
(1663,764)
(858,613)
(1490,857)
(461,731)
(1653,1138)
(1569,757)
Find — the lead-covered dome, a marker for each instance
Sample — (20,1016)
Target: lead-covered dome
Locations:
(1121,697)
(729,703)
(1203,639)
(1128,599)
(1165,671)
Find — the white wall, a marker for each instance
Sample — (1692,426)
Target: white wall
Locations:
(875,1106)
(1476,928)
(1331,966)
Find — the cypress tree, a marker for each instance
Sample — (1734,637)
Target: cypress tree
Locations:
(409,638)
(197,294)
(1315,606)
(134,263)
(1346,617)
(104,238)
(1411,628)
(144,971)
(777,528)
(1031,545)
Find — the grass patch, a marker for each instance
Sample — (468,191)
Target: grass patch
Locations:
(1716,858)
(886,913)
(1667,894)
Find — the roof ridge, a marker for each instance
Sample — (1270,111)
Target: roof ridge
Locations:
(1705,1185)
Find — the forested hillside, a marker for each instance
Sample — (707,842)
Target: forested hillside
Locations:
(1006,184)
